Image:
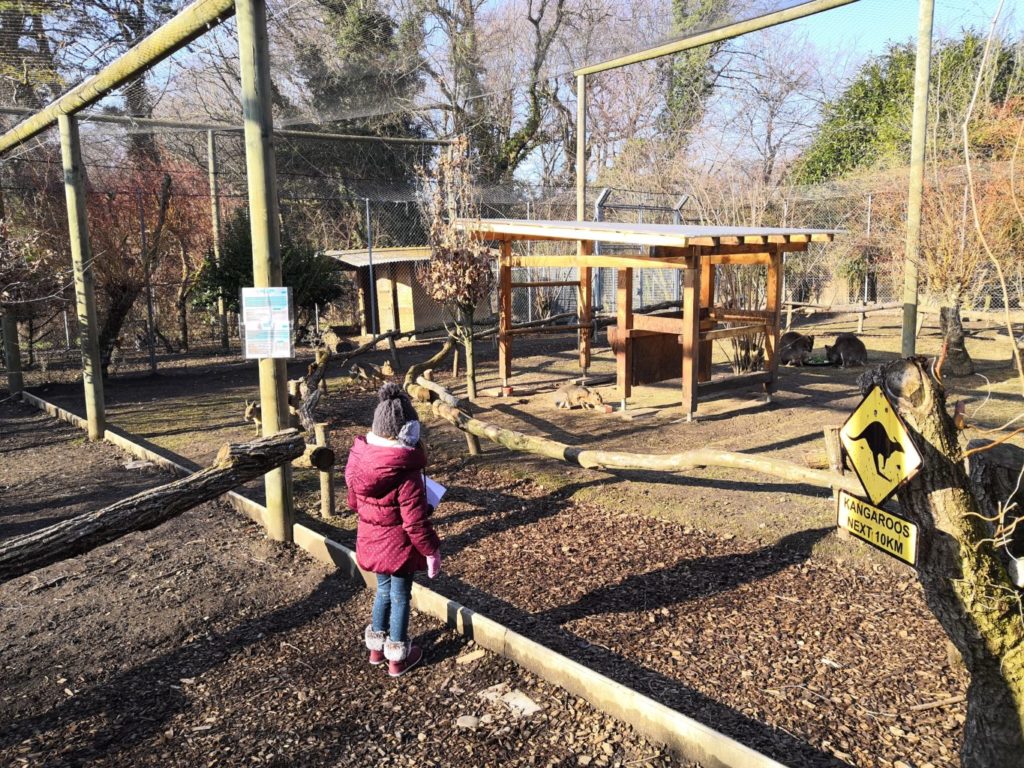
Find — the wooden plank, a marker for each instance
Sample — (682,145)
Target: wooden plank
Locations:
(505,313)
(755,239)
(733,315)
(691,332)
(584,305)
(731,333)
(547,329)
(773,304)
(615,262)
(737,258)
(546,284)
(624,346)
(656,324)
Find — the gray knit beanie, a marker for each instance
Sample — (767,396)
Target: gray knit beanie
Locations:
(393,411)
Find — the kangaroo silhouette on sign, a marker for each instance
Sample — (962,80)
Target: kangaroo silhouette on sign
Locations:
(882,448)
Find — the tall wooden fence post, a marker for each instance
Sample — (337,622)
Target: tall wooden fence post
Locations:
(81,259)
(254,61)
(12,354)
(211,162)
(326,476)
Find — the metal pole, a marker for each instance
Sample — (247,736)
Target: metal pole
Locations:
(81,259)
(254,61)
(917,148)
(67,331)
(211,164)
(599,273)
(373,280)
(151,329)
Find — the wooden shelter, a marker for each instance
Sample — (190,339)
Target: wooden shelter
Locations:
(695,251)
(398,298)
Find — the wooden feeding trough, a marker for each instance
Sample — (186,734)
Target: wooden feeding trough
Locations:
(666,345)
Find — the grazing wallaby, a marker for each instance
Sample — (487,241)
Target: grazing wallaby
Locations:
(371,374)
(254,414)
(572,395)
(848,350)
(880,444)
(795,348)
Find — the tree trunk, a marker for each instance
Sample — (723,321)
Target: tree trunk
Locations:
(965,584)
(958,362)
(121,297)
(466,321)
(234,465)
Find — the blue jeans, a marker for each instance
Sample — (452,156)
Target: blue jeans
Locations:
(391,606)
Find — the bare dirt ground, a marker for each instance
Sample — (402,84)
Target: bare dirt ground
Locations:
(202,643)
(729,597)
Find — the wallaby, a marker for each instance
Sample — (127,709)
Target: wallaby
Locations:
(371,374)
(254,414)
(848,350)
(880,444)
(572,395)
(795,348)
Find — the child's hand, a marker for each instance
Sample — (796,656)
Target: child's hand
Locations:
(434,565)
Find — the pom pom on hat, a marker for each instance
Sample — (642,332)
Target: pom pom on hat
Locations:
(393,412)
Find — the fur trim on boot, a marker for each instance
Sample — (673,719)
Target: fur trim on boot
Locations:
(375,644)
(401,656)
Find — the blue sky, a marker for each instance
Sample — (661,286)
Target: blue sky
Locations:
(865,27)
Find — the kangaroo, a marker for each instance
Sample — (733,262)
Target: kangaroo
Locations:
(848,350)
(795,348)
(572,395)
(371,374)
(254,413)
(882,448)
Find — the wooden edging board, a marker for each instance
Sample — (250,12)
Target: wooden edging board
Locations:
(683,735)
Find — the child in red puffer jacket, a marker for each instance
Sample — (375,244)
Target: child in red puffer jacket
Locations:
(395,539)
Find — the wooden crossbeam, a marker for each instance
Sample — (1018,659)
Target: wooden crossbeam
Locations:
(729,333)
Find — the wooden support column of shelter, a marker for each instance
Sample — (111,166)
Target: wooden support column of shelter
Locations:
(505,315)
(254,60)
(691,335)
(81,259)
(584,306)
(624,320)
(773,303)
(707,301)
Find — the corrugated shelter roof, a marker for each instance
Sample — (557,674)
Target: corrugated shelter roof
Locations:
(360,257)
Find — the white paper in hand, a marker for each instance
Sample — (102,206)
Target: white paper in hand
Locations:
(435,491)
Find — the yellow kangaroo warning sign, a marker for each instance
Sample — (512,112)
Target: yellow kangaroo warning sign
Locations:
(889,532)
(879,447)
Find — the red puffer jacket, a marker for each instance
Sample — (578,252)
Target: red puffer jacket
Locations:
(385,488)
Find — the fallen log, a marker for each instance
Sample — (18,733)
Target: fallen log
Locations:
(234,465)
(695,458)
(315,457)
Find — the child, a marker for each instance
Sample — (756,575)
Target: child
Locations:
(384,475)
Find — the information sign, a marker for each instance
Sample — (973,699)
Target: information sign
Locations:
(267,322)
(882,529)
